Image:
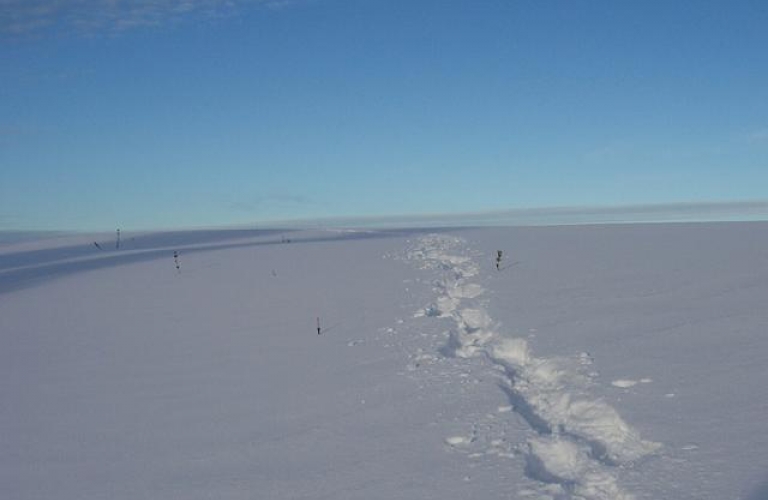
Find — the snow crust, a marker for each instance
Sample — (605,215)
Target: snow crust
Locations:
(604,362)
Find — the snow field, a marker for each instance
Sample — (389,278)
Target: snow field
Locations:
(579,439)
(135,381)
(123,378)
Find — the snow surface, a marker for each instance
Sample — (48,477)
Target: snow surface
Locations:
(599,362)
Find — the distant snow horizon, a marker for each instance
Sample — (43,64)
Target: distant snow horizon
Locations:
(740,211)
(756,210)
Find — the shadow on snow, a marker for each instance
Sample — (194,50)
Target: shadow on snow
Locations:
(21,270)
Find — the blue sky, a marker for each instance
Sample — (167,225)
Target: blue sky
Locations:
(181,113)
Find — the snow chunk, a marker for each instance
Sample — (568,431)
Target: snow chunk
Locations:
(555,460)
(611,438)
(511,353)
(624,383)
(457,441)
(562,462)
(473,319)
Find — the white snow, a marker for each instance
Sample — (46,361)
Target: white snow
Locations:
(549,393)
(458,440)
(435,375)
(624,383)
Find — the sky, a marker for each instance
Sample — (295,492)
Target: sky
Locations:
(149,114)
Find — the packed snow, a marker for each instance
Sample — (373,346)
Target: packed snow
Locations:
(608,362)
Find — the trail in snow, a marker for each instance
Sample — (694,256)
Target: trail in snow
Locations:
(580,441)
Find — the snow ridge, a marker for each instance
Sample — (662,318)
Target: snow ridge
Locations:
(580,441)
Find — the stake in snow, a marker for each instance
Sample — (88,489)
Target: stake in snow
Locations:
(318,325)
(176,261)
(117,240)
(498,259)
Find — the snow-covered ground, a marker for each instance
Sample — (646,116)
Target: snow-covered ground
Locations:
(598,362)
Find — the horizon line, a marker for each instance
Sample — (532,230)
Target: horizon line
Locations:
(725,211)
(751,210)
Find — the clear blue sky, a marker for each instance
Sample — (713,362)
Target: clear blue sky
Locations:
(178,113)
